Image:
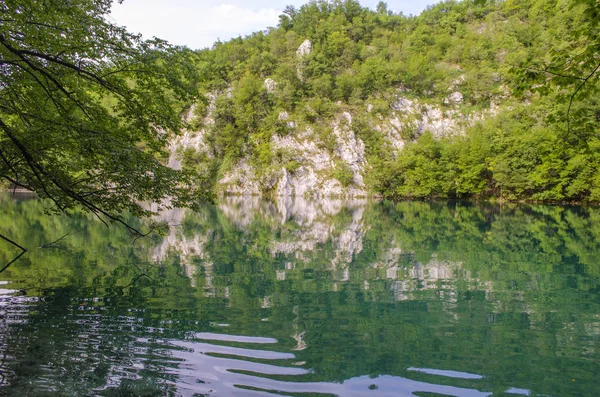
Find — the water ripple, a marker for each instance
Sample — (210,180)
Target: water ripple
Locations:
(199,371)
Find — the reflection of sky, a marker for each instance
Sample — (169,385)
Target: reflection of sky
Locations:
(205,363)
(198,24)
(199,371)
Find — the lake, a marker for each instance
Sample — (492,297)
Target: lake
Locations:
(302,298)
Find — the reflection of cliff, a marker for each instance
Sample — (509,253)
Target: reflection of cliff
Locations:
(317,226)
(191,250)
(300,234)
(434,275)
(301,227)
(348,287)
(393,252)
(438,275)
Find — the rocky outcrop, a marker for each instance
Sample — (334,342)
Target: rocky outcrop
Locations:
(315,176)
(304,49)
(350,150)
(410,118)
(456,97)
(241,181)
(190,138)
(301,53)
(270,85)
(319,162)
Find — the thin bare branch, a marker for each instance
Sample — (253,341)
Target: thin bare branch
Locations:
(48,245)
(23,251)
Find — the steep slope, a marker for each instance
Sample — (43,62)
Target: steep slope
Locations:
(339,100)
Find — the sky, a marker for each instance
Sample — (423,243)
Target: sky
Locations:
(199,23)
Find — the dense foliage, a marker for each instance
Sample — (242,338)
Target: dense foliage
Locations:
(86,108)
(529,66)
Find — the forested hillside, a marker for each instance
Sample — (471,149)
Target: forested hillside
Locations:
(470,99)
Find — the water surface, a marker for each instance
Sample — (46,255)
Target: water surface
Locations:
(299,298)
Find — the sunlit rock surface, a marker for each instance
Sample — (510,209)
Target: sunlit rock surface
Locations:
(311,156)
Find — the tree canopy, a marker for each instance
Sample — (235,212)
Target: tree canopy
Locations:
(87,109)
(526,73)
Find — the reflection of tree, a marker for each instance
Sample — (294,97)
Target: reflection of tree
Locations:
(443,262)
(72,345)
(510,291)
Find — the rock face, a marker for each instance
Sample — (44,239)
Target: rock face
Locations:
(329,161)
(315,176)
(193,139)
(270,85)
(456,97)
(242,181)
(301,53)
(350,149)
(304,49)
(411,118)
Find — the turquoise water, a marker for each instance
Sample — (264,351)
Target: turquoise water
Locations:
(301,298)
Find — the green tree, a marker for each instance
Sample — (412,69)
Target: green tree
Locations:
(571,67)
(87,109)
(382,8)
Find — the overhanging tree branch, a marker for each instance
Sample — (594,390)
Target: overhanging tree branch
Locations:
(81,104)
(575,94)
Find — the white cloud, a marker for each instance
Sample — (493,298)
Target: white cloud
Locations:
(194,26)
(234,20)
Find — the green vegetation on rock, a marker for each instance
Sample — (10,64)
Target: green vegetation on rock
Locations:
(467,100)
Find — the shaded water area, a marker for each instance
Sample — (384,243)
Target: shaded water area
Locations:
(301,298)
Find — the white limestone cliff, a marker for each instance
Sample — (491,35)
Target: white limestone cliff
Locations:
(313,157)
